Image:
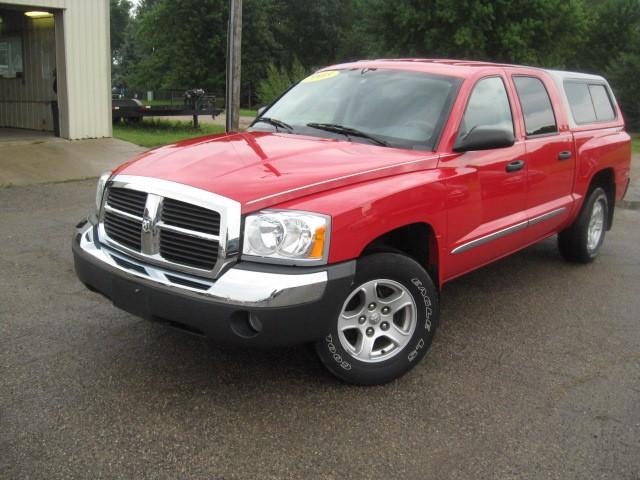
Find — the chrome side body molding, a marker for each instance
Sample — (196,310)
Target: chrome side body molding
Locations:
(507,231)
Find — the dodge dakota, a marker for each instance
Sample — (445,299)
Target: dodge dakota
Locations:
(339,215)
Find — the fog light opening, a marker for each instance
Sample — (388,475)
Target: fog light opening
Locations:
(245,324)
(255,323)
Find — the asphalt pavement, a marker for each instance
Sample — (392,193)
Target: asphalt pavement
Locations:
(534,373)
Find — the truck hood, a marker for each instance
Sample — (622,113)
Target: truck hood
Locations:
(263,169)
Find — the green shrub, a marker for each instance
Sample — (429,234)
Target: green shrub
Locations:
(278,80)
(623,75)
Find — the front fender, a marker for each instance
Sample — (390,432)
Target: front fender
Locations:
(362,212)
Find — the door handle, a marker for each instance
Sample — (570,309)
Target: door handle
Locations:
(565,155)
(515,166)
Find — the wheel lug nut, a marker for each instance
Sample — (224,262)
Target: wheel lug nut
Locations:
(370,332)
(384,326)
(385,310)
(372,306)
(362,319)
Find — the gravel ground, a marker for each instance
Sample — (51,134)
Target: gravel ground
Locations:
(534,373)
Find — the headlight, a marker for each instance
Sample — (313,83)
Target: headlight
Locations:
(102,183)
(287,236)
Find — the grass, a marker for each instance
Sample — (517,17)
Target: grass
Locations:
(244,112)
(635,142)
(153,103)
(155,133)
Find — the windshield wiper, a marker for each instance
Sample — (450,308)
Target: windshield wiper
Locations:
(275,122)
(332,127)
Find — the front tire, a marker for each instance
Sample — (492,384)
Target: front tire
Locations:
(386,323)
(581,242)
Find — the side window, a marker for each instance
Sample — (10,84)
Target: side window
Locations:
(580,102)
(488,107)
(602,103)
(536,106)
(590,102)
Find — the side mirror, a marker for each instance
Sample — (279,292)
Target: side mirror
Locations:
(484,138)
(261,111)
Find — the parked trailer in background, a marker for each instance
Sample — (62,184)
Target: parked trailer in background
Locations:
(196,102)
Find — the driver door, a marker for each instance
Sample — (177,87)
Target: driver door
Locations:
(486,194)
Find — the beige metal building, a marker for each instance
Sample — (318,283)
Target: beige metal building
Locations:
(55,61)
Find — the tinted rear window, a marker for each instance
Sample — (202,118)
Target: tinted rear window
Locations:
(602,103)
(580,102)
(589,102)
(536,106)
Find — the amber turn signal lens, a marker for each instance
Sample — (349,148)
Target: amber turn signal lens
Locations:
(317,250)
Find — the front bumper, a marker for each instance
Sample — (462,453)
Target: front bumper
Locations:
(249,304)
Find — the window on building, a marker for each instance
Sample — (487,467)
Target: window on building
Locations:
(11,57)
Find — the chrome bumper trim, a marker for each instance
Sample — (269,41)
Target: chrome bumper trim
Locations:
(246,288)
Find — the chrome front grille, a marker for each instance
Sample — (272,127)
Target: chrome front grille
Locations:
(169,224)
(188,250)
(192,217)
(124,230)
(127,200)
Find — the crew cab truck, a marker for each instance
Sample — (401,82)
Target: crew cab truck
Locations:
(351,200)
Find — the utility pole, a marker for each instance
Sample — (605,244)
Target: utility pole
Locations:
(234,44)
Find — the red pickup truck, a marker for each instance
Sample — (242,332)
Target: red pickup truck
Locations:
(352,199)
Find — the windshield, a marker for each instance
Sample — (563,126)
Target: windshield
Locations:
(399,108)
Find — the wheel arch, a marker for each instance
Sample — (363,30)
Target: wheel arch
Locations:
(416,240)
(605,179)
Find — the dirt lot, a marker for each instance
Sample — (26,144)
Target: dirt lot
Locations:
(535,373)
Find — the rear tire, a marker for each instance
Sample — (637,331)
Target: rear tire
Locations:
(386,323)
(581,242)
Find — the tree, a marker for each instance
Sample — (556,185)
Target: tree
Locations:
(120,18)
(538,32)
(612,48)
(278,80)
(313,31)
(180,45)
(614,29)
(623,73)
(260,45)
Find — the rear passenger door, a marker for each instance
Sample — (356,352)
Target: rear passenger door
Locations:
(550,154)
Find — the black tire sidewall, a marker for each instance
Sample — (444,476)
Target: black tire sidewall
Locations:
(414,278)
(597,195)
(574,240)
